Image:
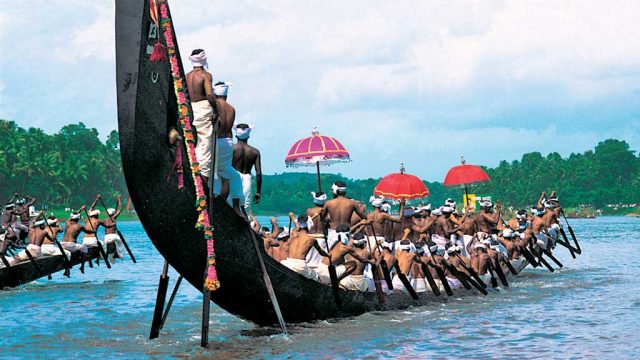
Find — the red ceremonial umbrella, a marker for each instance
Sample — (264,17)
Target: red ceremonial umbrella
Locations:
(465,174)
(315,150)
(401,186)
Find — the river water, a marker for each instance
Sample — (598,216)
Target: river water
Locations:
(588,309)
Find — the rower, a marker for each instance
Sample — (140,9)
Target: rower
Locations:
(507,239)
(281,251)
(442,227)
(91,226)
(269,237)
(227,183)
(111,230)
(203,104)
(319,199)
(36,237)
(7,214)
(337,254)
(485,221)
(405,258)
(339,211)
(4,244)
(379,219)
(355,280)
(480,259)
(355,218)
(72,230)
(389,256)
(299,248)
(21,211)
(245,158)
(538,227)
(49,246)
(418,280)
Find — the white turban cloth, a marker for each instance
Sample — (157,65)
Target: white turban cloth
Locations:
(111,211)
(376,201)
(52,221)
(319,199)
(221,89)
(243,134)
(284,233)
(335,188)
(74,216)
(95,212)
(199,59)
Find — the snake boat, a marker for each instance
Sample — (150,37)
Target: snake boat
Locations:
(147,112)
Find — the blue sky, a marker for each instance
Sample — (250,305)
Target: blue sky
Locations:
(413,81)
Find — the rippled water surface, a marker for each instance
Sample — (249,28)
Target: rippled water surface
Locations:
(589,309)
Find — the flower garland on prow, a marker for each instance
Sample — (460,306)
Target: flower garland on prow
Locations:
(211,282)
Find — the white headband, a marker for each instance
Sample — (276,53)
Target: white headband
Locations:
(335,188)
(39,223)
(479,246)
(376,201)
(284,233)
(111,211)
(74,216)
(95,212)
(52,221)
(319,200)
(199,59)
(221,89)
(243,134)
(406,247)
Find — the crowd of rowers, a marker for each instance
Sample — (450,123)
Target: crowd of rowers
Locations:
(461,245)
(41,232)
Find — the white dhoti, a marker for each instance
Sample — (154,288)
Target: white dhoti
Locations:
(225,170)
(92,241)
(332,238)
(354,282)
(398,286)
(115,238)
(419,284)
(52,250)
(542,241)
(301,267)
(73,247)
(439,240)
(323,273)
(454,283)
(374,241)
(34,250)
(203,122)
(9,259)
(247,180)
(467,240)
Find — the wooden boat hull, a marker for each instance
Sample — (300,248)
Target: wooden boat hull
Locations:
(146,112)
(26,272)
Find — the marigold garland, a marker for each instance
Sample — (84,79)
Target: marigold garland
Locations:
(211,281)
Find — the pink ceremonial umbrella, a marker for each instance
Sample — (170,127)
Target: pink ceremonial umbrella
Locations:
(315,150)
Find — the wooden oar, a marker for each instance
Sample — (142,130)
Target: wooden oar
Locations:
(267,283)
(406,283)
(529,256)
(573,235)
(5,261)
(460,277)
(473,273)
(566,243)
(376,277)
(100,249)
(498,270)
(542,261)
(333,275)
(67,262)
(383,263)
(441,275)
(432,282)
(553,258)
(35,263)
(124,242)
(509,266)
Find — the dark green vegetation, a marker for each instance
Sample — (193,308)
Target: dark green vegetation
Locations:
(68,168)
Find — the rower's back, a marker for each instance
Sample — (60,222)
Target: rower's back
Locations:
(340,210)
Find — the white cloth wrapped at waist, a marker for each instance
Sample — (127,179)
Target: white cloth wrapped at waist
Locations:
(454,283)
(542,240)
(323,272)
(419,285)
(300,266)
(73,247)
(354,282)
(439,240)
(115,238)
(467,240)
(203,122)
(246,188)
(53,250)
(225,170)
(92,241)
(34,250)
(398,286)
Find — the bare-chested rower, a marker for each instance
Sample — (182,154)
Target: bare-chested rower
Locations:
(480,260)
(486,221)
(91,226)
(355,280)
(379,218)
(315,225)
(36,237)
(339,211)
(111,230)
(299,246)
(72,230)
(203,103)
(245,158)
(22,211)
(337,254)
(228,183)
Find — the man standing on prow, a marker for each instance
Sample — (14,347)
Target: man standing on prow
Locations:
(339,210)
(245,157)
(227,183)
(203,104)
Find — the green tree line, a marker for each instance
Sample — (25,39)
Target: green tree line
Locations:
(69,167)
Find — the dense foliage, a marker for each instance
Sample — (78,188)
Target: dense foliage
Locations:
(68,168)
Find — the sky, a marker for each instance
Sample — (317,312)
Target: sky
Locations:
(419,82)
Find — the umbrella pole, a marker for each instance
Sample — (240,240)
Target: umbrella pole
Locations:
(318,172)
(466,194)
